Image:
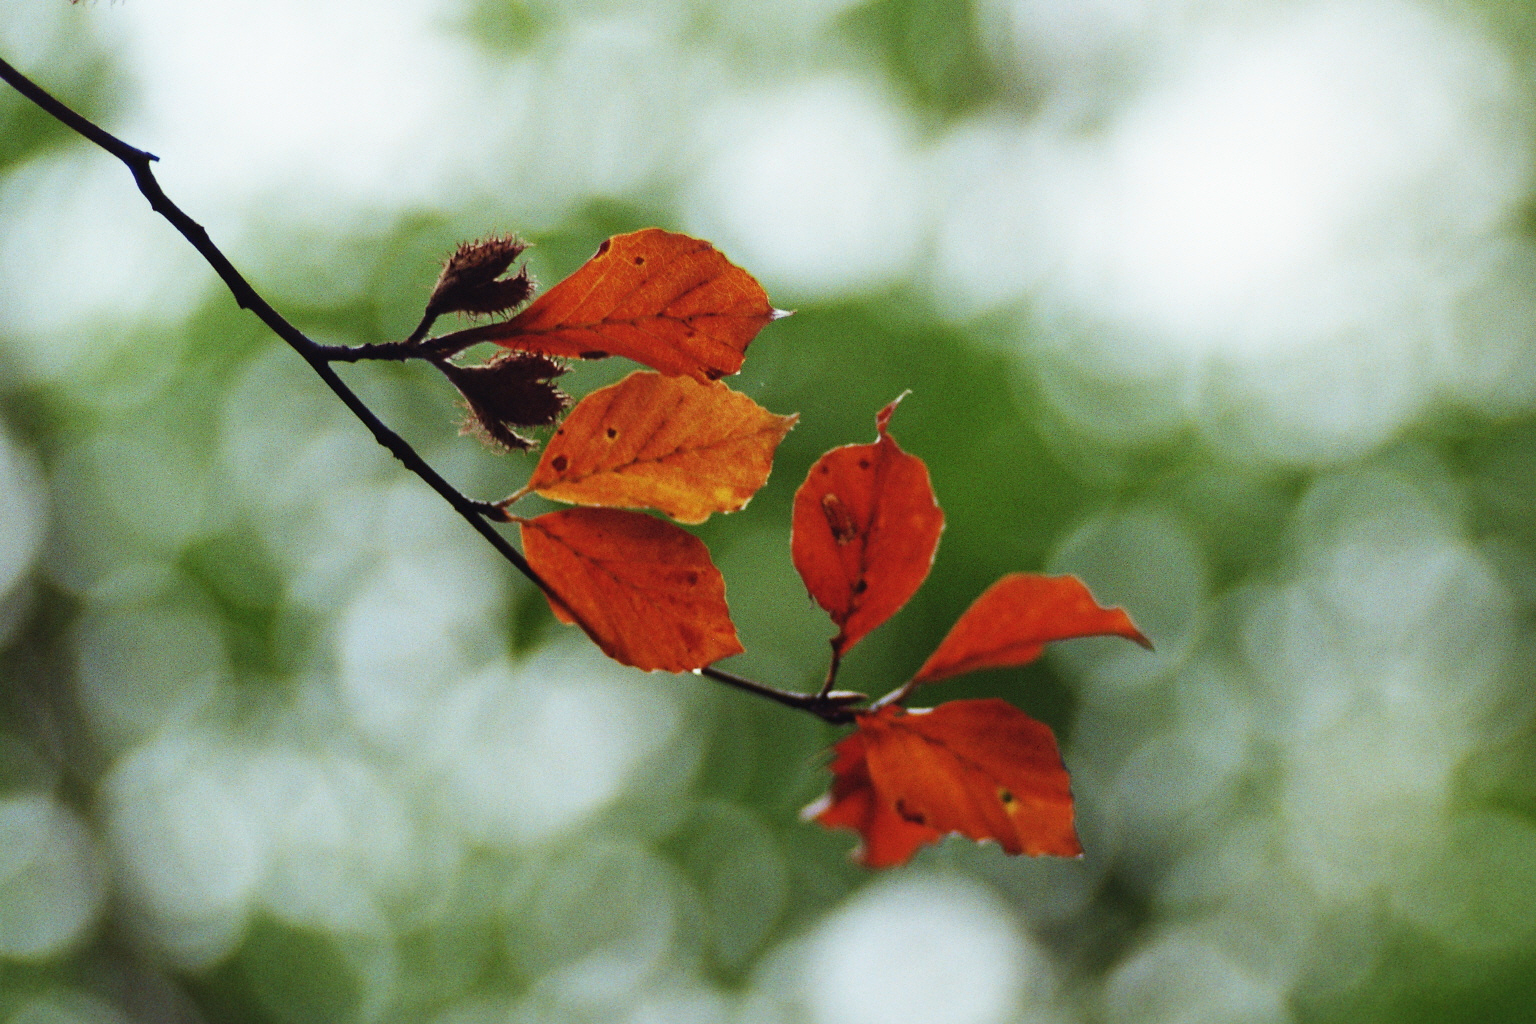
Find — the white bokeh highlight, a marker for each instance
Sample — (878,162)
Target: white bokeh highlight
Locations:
(22,510)
(1270,233)
(52,881)
(190,847)
(239,102)
(816,186)
(921,950)
(528,755)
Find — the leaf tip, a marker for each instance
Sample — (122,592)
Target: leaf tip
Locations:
(883,417)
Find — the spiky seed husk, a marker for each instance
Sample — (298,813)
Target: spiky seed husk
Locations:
(471,281)
(513,389)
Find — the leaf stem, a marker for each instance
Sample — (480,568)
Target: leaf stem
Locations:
(512,499)
(832,667)
(896,696)
(833,707)
(830,706)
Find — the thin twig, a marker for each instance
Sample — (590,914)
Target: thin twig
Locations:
(830,706)
(833,707)
(417,346)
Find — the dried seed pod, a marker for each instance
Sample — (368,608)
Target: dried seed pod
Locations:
(472,282)
(511,390)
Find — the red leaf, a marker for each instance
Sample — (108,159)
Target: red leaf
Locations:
(981,768)
(852,803)
(666,300)
(864,532)
(644,590)
(1015,618)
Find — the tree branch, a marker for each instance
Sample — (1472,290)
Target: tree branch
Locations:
(138,162)
(832,706)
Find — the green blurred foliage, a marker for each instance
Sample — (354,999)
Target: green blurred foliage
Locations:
(695,873)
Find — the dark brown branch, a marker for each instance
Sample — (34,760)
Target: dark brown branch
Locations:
(833,707)
(417,346)
(138,162)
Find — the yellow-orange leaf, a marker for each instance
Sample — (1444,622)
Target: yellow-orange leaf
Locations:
(666,300)
(669,443)
(1015,618)
(981,768)
(644,590)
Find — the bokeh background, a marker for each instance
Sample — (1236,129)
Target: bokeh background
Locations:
(1225,305)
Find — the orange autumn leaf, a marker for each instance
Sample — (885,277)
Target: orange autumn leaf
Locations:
(666,300)
(668,443)
(981,768)
(1015,618)
(864,532)
(644,590)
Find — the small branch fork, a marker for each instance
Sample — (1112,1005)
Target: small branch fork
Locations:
(833,706)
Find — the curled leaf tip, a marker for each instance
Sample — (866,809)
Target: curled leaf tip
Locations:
(883,417)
